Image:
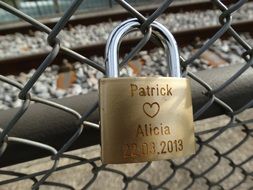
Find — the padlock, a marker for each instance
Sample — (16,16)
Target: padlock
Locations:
(144,118)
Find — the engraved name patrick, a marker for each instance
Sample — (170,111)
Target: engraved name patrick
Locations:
(156,90)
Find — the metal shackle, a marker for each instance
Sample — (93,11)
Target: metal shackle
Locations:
(161,32)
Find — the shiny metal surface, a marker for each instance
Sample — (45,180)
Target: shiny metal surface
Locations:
(161,32)
(145,119)
(142,117)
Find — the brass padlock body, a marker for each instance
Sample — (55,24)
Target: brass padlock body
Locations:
(145,119)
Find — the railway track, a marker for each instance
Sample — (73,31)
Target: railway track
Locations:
(111,15)
(24,63)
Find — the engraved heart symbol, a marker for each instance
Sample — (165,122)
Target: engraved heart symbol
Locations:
(151,110)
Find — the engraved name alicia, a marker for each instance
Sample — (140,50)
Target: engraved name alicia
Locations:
(149,130)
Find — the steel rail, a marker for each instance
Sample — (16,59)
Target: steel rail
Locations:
(110,15)
(59,126)
(24,63)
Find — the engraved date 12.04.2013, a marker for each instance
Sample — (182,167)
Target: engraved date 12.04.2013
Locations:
(135,150)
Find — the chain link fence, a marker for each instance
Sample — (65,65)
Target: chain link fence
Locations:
(223,159)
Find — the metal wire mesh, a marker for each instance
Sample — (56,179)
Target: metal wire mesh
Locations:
(224,153)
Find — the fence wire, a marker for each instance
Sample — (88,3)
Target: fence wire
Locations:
(224,153)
